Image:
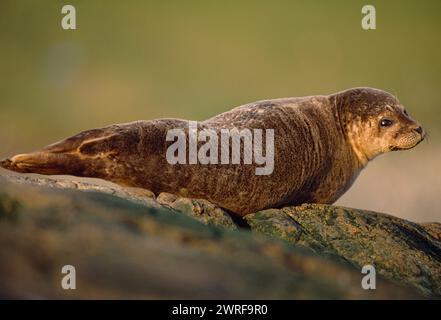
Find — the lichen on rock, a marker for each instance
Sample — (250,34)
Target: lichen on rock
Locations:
(400,250)
(203,210)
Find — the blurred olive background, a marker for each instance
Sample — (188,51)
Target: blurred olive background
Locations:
(131,60)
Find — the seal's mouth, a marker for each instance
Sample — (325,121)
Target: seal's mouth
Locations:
(394,148)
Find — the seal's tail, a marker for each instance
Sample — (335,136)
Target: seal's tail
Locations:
(77,155)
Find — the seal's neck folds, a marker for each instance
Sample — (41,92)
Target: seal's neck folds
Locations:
(349,128)
(359,151)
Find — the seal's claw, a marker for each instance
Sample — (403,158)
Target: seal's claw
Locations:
(6,163)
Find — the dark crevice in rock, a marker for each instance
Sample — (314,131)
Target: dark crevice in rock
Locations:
(415,239)
(238,220)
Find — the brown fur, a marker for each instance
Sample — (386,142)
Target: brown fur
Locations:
(321,144)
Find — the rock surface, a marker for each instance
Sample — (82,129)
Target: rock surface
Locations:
(400,250)
(202,210)
(124,243)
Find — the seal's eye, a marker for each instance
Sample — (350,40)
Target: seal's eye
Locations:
(386,123)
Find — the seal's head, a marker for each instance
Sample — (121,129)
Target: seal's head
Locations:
(375,122)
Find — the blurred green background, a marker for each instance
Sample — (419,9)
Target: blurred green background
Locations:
(131,60)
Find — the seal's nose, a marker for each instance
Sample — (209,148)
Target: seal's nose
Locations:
(420,131)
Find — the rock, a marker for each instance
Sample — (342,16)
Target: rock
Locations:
(434,229)
(137,249)
(202,210)
(402,251)
(133,194)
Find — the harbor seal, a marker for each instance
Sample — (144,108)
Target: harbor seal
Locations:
(321,143)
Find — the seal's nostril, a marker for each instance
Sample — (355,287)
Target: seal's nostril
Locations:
(419,130)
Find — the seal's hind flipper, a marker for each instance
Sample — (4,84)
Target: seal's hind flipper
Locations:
(44,163)
(76,155)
